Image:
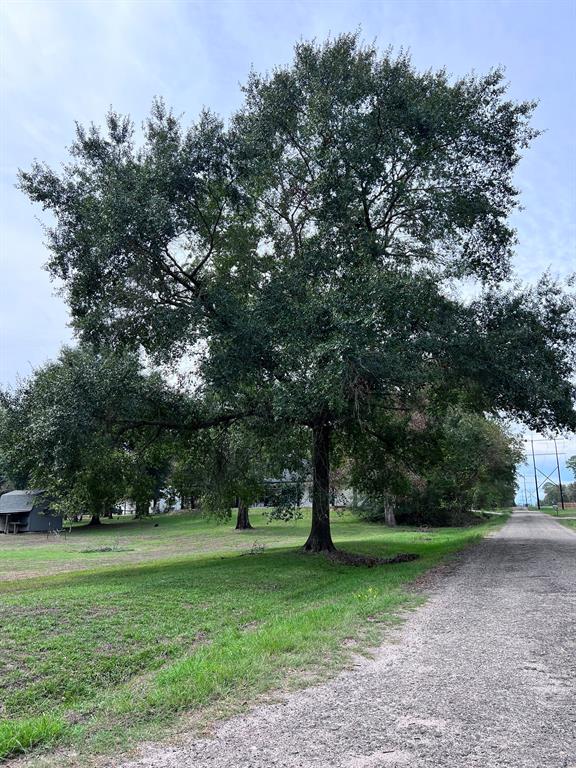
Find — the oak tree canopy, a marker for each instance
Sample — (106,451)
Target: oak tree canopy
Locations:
(307,254)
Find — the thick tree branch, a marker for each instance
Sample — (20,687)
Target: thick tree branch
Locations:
(195,425)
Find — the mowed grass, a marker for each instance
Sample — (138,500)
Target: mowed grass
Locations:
(97,655)
(559,512)
(565,516)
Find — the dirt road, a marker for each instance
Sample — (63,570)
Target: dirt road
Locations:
(482,676)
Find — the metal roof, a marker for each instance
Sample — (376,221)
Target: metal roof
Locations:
(18,501)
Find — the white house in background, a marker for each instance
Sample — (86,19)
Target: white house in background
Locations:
(128,507)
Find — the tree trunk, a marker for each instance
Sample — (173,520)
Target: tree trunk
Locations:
(142,509)
(243,520)
(320,538)
(389,516)
(95,519)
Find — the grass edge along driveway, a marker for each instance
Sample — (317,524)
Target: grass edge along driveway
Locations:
(97,660)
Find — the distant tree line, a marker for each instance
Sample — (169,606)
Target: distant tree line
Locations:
(449,465)
(552,493)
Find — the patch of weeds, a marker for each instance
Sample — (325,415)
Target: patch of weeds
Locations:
(257,548)
(19,736)
(350,558)
(114,547)
(106,549)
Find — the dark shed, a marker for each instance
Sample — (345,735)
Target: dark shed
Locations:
(27,511)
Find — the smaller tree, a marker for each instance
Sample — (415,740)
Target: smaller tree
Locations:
(212,466)
(92,484)
(147,469)
(65,429)
(551,494)
(229,466)
(233,474)
(443,467)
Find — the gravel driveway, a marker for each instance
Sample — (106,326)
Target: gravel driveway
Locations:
(483,675)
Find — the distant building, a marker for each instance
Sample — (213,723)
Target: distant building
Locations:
(27,512)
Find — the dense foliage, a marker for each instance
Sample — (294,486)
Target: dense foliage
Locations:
(443,469)
(552,493)
(68,431)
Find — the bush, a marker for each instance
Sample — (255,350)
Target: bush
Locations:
(420,509)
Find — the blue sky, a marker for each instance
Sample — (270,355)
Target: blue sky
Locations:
(67,61)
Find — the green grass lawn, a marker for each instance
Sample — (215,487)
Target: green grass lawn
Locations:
(102,648)
(559,512)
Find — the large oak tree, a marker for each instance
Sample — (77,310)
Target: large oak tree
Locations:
(306,255)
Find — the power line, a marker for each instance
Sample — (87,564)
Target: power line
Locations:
(538,471)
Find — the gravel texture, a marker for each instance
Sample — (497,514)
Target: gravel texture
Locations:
(482,676)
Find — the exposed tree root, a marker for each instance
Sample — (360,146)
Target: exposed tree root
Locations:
(350,558)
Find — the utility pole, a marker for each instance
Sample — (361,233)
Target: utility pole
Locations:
(559,478)
(535,475)
(525,493)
